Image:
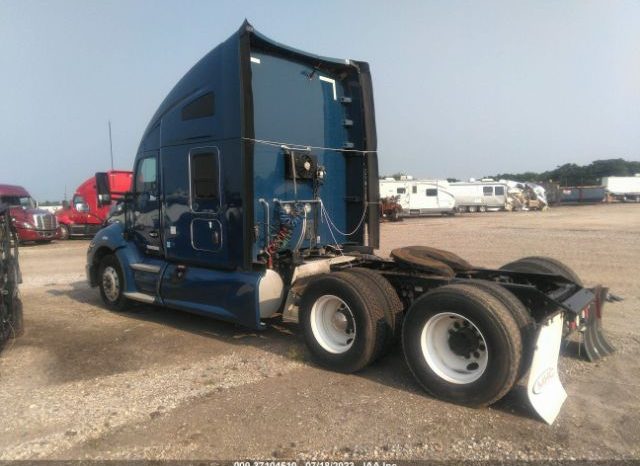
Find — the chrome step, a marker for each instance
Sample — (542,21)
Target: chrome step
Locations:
(141,297)
(142,267)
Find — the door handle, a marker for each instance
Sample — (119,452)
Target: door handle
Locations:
(153,234)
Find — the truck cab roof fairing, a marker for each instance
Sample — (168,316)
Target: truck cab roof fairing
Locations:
(225,72)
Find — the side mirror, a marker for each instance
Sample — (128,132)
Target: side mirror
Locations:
(103,189)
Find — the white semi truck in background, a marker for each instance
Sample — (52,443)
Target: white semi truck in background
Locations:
(623,188)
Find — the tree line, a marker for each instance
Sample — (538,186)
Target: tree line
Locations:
(571,174)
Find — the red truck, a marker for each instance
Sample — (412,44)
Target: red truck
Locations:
(84,216)
(31,223)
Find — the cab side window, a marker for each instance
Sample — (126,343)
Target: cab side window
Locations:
(499,190)
(488,190)
(79,203)
(147,176)
(432,192)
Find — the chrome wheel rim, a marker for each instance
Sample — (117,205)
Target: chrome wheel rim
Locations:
(111,283)
(454,348)
(333,324)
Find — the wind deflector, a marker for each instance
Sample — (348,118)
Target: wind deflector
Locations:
(348,82)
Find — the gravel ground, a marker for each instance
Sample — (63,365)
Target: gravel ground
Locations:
(158,384)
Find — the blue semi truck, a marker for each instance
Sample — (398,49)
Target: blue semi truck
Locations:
(255,197)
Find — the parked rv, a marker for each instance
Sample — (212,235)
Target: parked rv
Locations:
(419,197)
(479,196)
(31,223)
(84,215)
(623,188)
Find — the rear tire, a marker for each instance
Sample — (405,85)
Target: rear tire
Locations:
(393,307)
(343,321)
(482,209)
(111,283)
(472,209)
(523,319)
(462,345)
(542,264)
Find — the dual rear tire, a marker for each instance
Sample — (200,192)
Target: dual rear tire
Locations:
(462,345)
(342,316)
(466,343)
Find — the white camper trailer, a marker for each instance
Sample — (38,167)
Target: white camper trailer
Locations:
(624,188)
(479,196)
(419,197)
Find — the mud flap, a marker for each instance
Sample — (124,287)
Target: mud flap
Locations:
(544,389)
(594,342)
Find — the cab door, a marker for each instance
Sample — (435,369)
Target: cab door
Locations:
(146,223)
(195,225)
(79,209)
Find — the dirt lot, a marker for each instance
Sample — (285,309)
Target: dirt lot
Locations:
(87,383)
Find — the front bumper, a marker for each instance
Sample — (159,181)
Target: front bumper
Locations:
(27,234)
(87,229)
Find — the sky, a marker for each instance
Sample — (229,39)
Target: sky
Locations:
(462,88)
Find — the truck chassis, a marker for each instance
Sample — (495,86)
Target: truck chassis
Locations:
(231,217)
(10,277)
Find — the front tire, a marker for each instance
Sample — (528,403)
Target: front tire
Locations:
(343,321)
(111,282)
(462,345)
(64,232)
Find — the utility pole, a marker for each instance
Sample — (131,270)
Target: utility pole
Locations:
(110,145)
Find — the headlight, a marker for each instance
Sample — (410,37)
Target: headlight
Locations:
(24,225)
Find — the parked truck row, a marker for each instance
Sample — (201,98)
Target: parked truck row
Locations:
(82,217)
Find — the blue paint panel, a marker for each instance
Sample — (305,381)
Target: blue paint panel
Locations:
(231,296)
(217,72)
(293,105)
